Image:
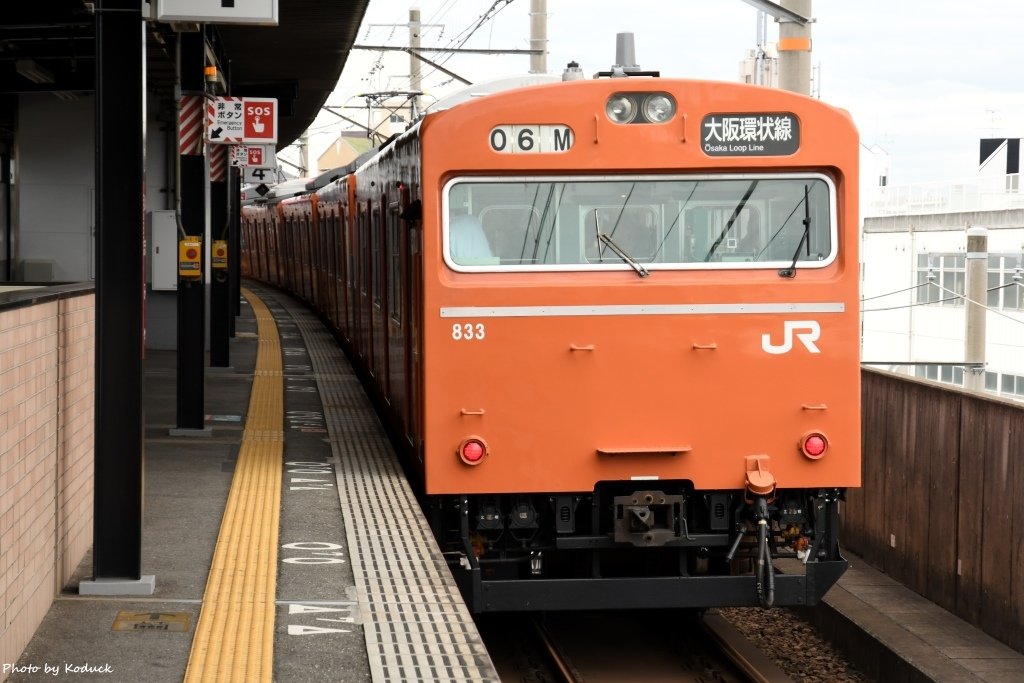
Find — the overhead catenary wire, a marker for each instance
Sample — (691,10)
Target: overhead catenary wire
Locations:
(496,7)
(978,303)
(898,291)
(956,295)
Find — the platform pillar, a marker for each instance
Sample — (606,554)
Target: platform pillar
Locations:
(191,413)
(220,286)
(120,296)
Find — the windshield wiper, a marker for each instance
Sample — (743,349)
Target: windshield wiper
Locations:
(804,238)
(732,220)
(636,265)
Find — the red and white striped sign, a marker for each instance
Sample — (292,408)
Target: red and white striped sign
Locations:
(225,120)
(190,124)
(218,163)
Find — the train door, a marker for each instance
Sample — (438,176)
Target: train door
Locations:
(325,275)
(363,323)
(266,243)
(287,256)
(303,252)
(338,283)
(307,266)
(312,260)
(276,262)
(378,316)
(412,267)
(394,300)
(330,231)
(295,237)
(350,273)
(244,262)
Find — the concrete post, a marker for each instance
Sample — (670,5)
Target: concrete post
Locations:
(539,36)
(415,75)
(974,312)
(795,49)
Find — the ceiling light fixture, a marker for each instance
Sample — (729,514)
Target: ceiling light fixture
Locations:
(32,71)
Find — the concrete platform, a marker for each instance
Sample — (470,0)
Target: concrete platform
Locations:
(894,635)
(337,617)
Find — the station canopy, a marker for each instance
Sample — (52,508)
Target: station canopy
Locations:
(50,47)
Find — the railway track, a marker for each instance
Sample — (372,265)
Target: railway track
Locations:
(640,647)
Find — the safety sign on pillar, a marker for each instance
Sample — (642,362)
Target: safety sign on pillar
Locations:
(234,120)
(218,163)
(190,125)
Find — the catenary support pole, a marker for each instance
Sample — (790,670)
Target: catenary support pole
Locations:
(539,36)
(415,74)
(795,49)
(974,311)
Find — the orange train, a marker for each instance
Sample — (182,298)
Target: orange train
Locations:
(613,325)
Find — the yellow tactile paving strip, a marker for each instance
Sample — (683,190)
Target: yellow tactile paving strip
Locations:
(234,638)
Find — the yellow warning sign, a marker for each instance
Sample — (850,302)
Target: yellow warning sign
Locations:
(165,622)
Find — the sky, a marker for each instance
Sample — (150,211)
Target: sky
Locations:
(923,80)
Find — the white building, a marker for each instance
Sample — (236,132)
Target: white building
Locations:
(913,275)
(761,69)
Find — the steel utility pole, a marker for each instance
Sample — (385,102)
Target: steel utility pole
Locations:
(974,311)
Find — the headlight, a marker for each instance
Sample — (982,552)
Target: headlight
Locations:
(659,108)
(620,109)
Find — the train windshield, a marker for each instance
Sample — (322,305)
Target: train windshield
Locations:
(687,222)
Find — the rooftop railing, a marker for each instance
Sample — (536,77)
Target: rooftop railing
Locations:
(983,193)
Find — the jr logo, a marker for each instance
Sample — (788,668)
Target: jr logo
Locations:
(807,331)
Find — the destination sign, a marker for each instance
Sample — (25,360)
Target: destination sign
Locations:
(750,134)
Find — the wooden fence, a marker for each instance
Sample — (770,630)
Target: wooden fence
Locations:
(942,504)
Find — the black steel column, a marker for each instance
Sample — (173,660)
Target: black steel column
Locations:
(191,295)
(220,312)
(234,245)
(234,235)
(120,290)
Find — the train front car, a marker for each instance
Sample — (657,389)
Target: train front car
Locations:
(641,378)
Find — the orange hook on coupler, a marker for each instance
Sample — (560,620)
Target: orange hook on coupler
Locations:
(760,482)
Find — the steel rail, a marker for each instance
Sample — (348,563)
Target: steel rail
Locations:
(743,653)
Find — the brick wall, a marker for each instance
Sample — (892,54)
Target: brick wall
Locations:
(46,457)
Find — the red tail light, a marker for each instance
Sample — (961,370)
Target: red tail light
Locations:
(472,450)
(814,445)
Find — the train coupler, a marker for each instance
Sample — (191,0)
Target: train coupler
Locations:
(647,518)
(764,571)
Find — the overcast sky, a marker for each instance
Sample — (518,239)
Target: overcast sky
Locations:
(923,80)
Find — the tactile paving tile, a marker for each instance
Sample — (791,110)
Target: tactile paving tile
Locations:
(416,624)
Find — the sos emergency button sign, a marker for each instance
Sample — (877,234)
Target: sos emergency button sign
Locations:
(231,120)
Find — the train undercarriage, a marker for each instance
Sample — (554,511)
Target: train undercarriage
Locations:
(622,546)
